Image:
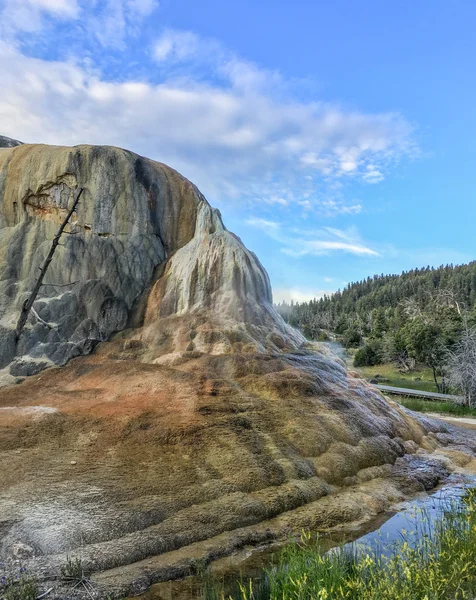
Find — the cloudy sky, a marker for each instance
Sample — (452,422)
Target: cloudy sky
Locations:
(337,138)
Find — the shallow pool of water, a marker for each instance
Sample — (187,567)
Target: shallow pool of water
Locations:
(380,534)
(404,519)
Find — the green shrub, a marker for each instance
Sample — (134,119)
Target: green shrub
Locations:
(352,338)
(72,570)
(16,583)
(369,355)
(450,408)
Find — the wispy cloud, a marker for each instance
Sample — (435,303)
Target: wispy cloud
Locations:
(319,247)
(29,15)
(299,242)
(114,20)
(338,206)
(176,46)
(234,128)
(108,21)
(271,228)
(372,174)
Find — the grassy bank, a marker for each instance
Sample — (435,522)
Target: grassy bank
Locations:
(435,562)
(419,379)
(446,408)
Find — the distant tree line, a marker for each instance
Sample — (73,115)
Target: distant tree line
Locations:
(423,316)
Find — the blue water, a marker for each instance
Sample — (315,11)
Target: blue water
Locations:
(383,532)
(403,524)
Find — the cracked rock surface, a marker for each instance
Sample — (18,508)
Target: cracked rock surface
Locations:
(183,419)
(133,216)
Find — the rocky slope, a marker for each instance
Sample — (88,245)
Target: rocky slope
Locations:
(201,422)
(134,214)
(6,142)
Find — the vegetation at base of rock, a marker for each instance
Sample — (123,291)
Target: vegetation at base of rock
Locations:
(73,569)
(425,316)
(16,583)
(448,408)
(73,573)
(437,561)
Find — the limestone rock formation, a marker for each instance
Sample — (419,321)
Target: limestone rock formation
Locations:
(6,142)
(134,215)
(201,423)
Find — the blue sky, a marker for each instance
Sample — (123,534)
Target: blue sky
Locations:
(337,138)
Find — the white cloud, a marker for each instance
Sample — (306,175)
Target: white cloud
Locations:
(179,47)
(310,159)
(271,228)
(235,132)
(276,200)
(108,21)
(353,209)
(143,8)
(331,206)
(372,174)
(59,7)
(115,20)
(176,46)
(299,242)
(28,15)
(298,295)
(328,279)
(320,247)
(348,165)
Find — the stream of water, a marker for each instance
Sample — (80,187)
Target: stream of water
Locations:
(380,533)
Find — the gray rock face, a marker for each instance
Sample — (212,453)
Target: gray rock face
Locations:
(21,551)
(134,214)
(117,461)
(6,142)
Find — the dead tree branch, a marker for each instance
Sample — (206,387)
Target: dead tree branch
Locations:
(60,284)
(27,305)
(38,318)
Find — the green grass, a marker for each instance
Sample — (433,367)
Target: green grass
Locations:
(448,408)
(439,564)
(16,583)
(397,379)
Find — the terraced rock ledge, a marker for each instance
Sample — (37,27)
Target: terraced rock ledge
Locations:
(160,412)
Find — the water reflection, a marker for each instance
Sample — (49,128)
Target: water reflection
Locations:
(380,534)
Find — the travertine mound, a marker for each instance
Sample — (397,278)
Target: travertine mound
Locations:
(201,423)
(133,216)
(143,469)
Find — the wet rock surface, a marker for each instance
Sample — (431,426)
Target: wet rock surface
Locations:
(182,418)
(134,215)
(143,469)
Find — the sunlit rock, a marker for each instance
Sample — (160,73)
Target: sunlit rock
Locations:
(187,419)
(139,225)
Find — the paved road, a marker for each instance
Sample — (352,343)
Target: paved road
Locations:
(419,393)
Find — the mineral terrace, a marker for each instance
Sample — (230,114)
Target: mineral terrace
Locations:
(156,410)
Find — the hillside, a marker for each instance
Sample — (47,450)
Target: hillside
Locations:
(421,317)
(384,293)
